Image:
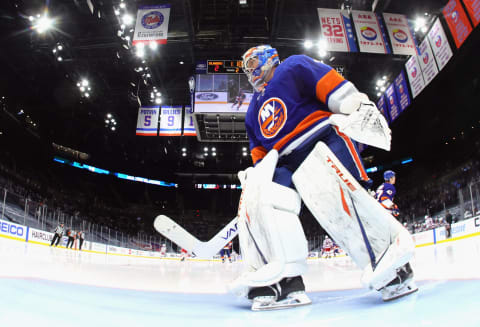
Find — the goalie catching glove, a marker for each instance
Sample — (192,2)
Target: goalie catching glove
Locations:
(360,119)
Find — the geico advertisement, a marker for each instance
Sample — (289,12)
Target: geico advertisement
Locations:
(12,229)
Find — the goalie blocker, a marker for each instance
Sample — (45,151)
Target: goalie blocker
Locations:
(372,237)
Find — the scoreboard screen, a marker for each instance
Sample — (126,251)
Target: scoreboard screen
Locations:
(224,67)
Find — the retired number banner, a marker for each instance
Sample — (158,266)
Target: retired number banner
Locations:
(336,30)
(147,121)
(473,9)
(457,21)
(171,121)
(427,61)
(415,76)
(188,125)
(438,41)
(152,24)
(392,102)
(369,32)
(400,34)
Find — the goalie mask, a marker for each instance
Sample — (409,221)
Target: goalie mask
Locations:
(258,62)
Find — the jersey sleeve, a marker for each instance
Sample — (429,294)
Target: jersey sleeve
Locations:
(257,151)
(322,81)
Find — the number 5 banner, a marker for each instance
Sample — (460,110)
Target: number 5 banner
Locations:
(171,121)
(147,121)
(336,30)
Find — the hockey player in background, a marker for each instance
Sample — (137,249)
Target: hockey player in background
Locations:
(327,247)
(163,250)
(300,123)
(386,192)
(225,252)
(239,99)
(58,235)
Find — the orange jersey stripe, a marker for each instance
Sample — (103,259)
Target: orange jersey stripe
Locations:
(304,124)
(326,84)
(356,158)
(258,153)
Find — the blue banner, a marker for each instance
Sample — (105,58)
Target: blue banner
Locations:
(392,102)
(382,106)
(401,90)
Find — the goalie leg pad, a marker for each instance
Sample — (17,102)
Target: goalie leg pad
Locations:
(272,240)
(360,225)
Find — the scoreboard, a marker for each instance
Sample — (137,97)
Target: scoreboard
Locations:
(224,67)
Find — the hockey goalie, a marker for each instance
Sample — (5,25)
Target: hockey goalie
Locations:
(303,123)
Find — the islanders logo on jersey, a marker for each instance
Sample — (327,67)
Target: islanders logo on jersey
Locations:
(152,19)
(272,117)
(368,33)
(400,35)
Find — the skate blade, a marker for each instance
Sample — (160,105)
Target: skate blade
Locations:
(293,300)
(400,295)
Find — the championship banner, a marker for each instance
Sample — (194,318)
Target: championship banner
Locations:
(473,9)
(401,90)
(415,76)
(147,121)
(171,121)
(400,34)
(188,125)
(457,21)
(369,32)
(438,41)
(151,24)
(427,62)
(336,30)
(382,106)
(392,102)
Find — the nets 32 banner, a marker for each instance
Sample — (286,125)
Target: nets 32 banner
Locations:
(188,125)
(438,41)
(171,121)
(457,21)
(336,30)
(400,34)
(147,121)
(152,24)
(370,34)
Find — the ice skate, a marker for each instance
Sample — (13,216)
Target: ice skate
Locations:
(402,285)
(289,292)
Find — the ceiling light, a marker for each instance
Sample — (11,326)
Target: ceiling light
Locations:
(148,75)
(44,24)
(213,149)
(384,77)
(127,37)
(54,50)
(59,47)
(152,95)
(308,44)
(382,89)
(127,19)
(59,58)
(109,115)
(181,62)
(379,94)
(122,26)
(85,82)
(113,128)
(184,149)
(122,5)
(159,94)
(82,89)
(214,154)
(380,82)
(424,29)
(31,18)
(87,95)
(184,154)
(322,44)
(244,149)
(117,12)
(205,154)
(107,121)
(88,88)
(205,149)
(158,101)
(244,154)
(322,53)
(140,52)
(78,84)
(153,45)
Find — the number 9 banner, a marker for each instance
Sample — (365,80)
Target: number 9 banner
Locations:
(171,121)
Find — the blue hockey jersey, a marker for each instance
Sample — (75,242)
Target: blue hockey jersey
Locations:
(300,96)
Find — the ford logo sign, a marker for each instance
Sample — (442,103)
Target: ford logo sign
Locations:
(207,96)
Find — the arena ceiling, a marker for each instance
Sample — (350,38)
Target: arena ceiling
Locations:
(33,80)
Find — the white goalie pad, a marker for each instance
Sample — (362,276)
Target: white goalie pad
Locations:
(365,125)
(272,240)
(372,237)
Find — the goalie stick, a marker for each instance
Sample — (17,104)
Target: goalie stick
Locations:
(177,234)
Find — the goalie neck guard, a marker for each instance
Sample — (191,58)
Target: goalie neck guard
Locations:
(258,62)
